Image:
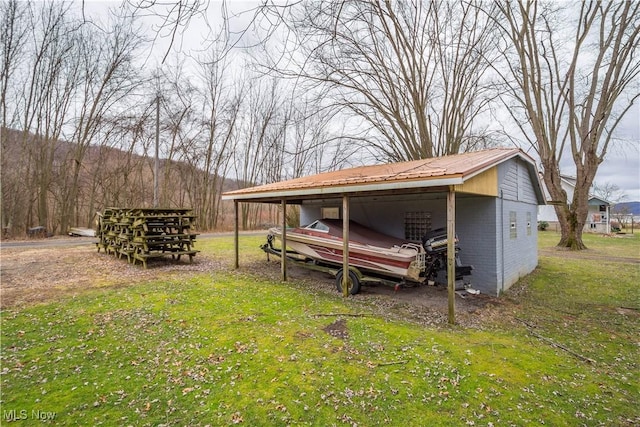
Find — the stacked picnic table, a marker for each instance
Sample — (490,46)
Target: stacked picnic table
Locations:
(143,233)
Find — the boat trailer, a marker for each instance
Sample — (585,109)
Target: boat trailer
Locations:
(357,277)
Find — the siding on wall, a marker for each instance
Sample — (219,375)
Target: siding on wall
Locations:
(515,181)
(508,180)
(517,256)
(526,186)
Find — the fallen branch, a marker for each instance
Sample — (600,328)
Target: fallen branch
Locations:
(397,362)
(555,344)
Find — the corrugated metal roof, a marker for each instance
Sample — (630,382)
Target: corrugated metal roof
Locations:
(438,171)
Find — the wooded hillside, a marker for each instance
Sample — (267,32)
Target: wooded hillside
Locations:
(108,177)
(82,111)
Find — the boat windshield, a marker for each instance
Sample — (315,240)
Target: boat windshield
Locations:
(318,226)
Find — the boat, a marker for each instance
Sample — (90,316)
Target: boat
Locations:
(82,232)
(371,252)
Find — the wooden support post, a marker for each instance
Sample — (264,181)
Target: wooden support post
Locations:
(345,246)
(283,258)
(451,252)
(236,239)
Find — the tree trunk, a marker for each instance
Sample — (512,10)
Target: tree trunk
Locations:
(571,229)
(573,95)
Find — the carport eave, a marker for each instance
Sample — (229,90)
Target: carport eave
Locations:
(297,196)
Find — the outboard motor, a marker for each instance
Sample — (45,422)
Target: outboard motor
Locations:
(435,241)
(435,245)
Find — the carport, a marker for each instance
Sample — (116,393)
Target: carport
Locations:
(474,174)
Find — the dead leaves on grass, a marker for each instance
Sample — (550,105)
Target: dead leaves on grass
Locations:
(164,366)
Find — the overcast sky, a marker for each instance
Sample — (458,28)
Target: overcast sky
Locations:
(622,164)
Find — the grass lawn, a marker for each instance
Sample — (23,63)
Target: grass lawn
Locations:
(226,347)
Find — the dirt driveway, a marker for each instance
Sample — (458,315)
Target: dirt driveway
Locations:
(33,273)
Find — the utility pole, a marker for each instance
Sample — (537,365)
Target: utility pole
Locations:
(157,162)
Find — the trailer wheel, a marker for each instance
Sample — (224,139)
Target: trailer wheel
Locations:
(353,284)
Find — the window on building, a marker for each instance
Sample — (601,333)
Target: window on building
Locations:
(513,225)
(416,224)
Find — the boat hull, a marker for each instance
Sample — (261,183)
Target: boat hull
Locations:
(397,261)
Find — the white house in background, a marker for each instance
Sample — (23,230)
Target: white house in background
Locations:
(598,217)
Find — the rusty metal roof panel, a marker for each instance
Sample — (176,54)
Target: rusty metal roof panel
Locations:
(430,171)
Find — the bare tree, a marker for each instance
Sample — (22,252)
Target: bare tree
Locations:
(107,76)
(311,145)
(125,178)
(412,74)
(53,75)
(260,140)
(220,99)
(610,192)
(571,72)
(64,84)
(172,17)
(623,216)
(13,36)
(177,116)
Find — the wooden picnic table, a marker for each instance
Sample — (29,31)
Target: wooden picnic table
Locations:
(143,233)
